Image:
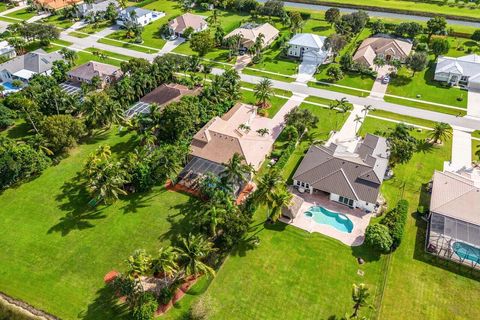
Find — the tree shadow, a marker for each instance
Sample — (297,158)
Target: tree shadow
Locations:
(105,306)
(420,252)
(425,146)
(400,80)
(122,148)
(19,130)
(96,137)
(320,28)
(74,201)
(366,253)
(137,201)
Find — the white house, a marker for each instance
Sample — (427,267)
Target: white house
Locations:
(463,71)
(26,66)
(87,9)
(138,16)
(178,25)
(6,50)
(308,47)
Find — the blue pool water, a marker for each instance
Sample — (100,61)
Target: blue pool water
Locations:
(9,86)
(466,251)
(337,220)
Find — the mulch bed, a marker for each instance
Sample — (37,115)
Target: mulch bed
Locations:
(179,294)
(181,188)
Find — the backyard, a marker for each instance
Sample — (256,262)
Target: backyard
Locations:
(56,250)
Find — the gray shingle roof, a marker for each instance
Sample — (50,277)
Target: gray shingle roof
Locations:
(357,175)
(37,61)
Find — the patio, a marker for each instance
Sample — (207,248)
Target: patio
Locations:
(359,218)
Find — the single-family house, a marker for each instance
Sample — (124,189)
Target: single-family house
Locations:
(350,178)
(6,50)
(222,137)
(25,66)
(90,9)
(53,5)
(454,218)
(383,46)
(178,25)
(162,96)
(137,15)
(250,32)
(308,47)
(84,73)
(462,71)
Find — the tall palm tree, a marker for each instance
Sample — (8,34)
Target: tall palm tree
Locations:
(280,198)
(236,170)
(69,55)
(213,213)
(357,120)
(367,108)
(194,250)
(360,295)
(342,105)
(166,262)
(440,132)
(264,92)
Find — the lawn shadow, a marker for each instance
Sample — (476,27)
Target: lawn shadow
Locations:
(424,146)
(121,149)
(136,201)
(321,28)
(19,130)
(420,253)
(366,253)
(74,200)
(105,306)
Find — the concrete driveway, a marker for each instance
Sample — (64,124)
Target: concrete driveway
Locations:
(473,103)
(242,62)
(170,45)
(306,70)
(461,149)
(379,89)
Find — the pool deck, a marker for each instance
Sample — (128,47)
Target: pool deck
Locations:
(360,219)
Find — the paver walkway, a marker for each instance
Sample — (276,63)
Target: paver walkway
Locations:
(379,89)
(473,106)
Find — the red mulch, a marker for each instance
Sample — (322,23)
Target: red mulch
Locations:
(244,194)
(180,188)
(109,277)
(162,309)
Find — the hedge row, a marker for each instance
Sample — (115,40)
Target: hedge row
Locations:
(395,221)
(282,160)
(10,312)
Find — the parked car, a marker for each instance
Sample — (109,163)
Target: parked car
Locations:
(386,79)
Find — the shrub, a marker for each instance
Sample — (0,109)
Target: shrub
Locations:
(395,221)
(422,47)
(202,308)
(146,308)
(165,295)
(7,117)
(378,237)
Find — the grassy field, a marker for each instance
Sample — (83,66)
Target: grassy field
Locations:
(56,249)
(433,6)
(59,21)
(423,87)
(275,104)
(22,14)
(418,286)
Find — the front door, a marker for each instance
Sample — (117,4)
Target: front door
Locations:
(346,201)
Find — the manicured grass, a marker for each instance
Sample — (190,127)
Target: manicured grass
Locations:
(109,54)
(122,44)
(274,60)
(326,86)
(350,79)
(400,117)
(423,84)
(418,286)
(434,6)
(275,104)
(426,106)
(84,57)
(92,28)
(7,19)
(59,21)
(22,14)
(78,34)
(3,7)
(56,249)
(259,73)
(320,100)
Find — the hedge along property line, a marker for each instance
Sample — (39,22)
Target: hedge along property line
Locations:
(395,220)
(14,309)
(391,10)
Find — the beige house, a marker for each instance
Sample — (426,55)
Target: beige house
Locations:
(87,71)
(180,24)
(250,32)
(382,46)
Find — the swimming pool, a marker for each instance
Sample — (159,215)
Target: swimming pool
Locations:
(337,220)
(9,87)
(466,251)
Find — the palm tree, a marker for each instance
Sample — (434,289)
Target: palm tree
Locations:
(244,127)
(360,295)
(206,70)
(263,131)
(440,132)
(342,105)
(166,262)
(379,62)
(280,198)
(264,92)
(236,170)
(357,120)
(366,109)
(212,213)
(193,250)
(69,55)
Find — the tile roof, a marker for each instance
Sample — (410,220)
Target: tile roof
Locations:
(168,93)
(370,47)
(91,69)
(357,175)
(37,61)
(179,24)
(455,196)
(56,4)
(250,32)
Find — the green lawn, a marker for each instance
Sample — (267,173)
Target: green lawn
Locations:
(434,6)
(422,84)
(56,250)
(84,57)
(418,286)
(276,102)
(400,117)
(426,106)
(259,73)
(22,14)
(94,28)
(59,21)
(353,80)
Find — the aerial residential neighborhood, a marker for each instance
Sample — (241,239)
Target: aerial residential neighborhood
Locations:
(242,159)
